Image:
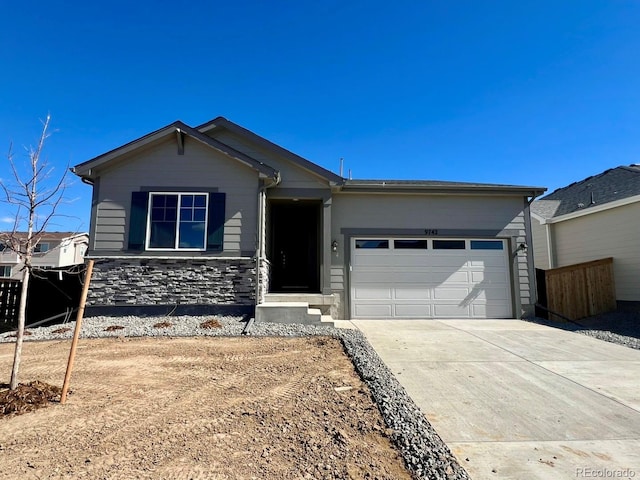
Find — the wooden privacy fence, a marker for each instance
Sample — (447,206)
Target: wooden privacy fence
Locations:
(581,290)
(9,299)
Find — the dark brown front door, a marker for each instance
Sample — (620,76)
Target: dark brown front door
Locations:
(294,246)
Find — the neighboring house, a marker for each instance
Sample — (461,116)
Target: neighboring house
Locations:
(52,250)
(595,218)
(221,218)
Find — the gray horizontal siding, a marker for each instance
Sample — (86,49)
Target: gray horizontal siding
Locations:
(160,166)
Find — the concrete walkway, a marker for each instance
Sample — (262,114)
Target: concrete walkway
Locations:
(517,400)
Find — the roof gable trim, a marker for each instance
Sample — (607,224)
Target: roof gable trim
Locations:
(85,169)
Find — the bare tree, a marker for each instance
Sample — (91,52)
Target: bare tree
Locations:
(34,196)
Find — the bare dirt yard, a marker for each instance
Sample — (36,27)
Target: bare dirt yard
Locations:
(236,408)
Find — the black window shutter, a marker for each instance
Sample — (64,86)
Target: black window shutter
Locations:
(138,220)
(215,227)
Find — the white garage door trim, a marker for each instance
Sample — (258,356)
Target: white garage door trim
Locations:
(393,277)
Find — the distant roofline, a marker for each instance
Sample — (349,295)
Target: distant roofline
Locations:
(595,193)
(587,211)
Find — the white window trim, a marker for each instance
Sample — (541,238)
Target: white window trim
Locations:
(176,248)
(3,267)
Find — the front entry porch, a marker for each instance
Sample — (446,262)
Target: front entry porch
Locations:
(297,248)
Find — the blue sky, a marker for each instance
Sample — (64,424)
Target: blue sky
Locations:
(536,93)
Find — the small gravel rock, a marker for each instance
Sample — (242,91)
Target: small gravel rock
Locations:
(622,328)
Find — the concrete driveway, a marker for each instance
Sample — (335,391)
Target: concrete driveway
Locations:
(517,400)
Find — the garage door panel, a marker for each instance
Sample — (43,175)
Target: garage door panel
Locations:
(442,277)
(490,311)
(447,293)
(488,262)
(450,311)
(409,293)
(480,295)
(412,311)
(500,294)
(496,277)
(367,310)
(373,293)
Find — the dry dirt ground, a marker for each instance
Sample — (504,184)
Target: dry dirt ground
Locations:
(236,408)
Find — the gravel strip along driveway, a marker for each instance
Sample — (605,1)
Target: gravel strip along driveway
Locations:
(622,328)
(425,454)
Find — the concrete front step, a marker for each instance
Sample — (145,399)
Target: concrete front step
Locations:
(315,300)
(290,312)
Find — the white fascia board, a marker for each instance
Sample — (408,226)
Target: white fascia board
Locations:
(596,209)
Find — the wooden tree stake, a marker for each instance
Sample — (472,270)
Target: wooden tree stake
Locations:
(76,332)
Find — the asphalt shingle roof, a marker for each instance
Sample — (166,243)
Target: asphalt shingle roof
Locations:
(614,184)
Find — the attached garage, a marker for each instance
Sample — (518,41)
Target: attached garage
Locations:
(430,278)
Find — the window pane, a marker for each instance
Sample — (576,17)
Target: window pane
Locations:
(200,214)
(200,201)
(186,214)
(158,201)
(157,214)
(448,244)
(486,245)
(372,243)
(191,235)
(187,201)
(171,200)
(410,244)
(163,235)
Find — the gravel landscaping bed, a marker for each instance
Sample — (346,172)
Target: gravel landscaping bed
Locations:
(425,454)
(622,328)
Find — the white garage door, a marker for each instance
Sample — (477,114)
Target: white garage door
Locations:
(429,278)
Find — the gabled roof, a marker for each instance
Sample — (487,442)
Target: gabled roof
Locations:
(437,186)
(85,169)
(590,195)
(268,145)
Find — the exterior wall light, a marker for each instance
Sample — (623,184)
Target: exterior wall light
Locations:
(522,247)
(334,246)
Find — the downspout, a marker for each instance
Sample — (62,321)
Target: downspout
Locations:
(262,206)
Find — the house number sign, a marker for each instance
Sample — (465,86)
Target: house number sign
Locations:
(431,231)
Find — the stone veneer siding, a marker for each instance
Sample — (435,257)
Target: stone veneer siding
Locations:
(265,279)
(151,281)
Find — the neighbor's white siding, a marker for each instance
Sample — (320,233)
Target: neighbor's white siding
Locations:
(160,166)
(439,212)
(609,233)
(540,245)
